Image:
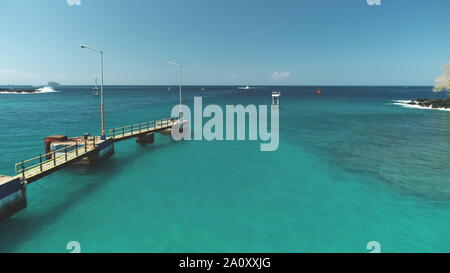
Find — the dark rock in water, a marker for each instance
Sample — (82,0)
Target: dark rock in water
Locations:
(433,103)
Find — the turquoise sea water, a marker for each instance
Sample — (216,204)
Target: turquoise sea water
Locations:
(351,168)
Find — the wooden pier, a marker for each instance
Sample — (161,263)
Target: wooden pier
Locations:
(136,130)
(32,169)
(85,150)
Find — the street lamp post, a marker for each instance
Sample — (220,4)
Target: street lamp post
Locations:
(179,79)
(102,108)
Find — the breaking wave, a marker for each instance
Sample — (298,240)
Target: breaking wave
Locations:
(46,89)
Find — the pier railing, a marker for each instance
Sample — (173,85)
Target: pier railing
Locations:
(138,128)
(48,162)
(44,162)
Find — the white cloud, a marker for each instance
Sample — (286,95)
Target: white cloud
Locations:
(7,71)
(280,75)
(74,2)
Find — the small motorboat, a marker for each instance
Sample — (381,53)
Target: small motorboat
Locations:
(244,87)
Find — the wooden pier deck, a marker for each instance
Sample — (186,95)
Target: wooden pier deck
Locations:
(135,130)
(33,169)
(43,165)
(86,149)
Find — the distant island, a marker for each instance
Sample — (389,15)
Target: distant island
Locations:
(53,84)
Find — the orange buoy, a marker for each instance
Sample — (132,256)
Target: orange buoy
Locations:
(318,91)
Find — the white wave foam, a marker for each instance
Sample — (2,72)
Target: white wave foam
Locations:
(405,103)
(46,89)
(402,101)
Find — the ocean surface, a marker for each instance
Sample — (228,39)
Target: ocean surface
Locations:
(352,167)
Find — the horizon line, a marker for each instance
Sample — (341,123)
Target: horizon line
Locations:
(259,85)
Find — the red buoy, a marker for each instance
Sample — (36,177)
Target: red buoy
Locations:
(318,91)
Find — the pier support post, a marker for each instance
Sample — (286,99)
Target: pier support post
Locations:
(145,138)
(12,195)
(103,150)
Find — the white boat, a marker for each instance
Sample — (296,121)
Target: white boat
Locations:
(276,94)
(276,98)
(245,87)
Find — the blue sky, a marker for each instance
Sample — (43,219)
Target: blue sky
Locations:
(255,42)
